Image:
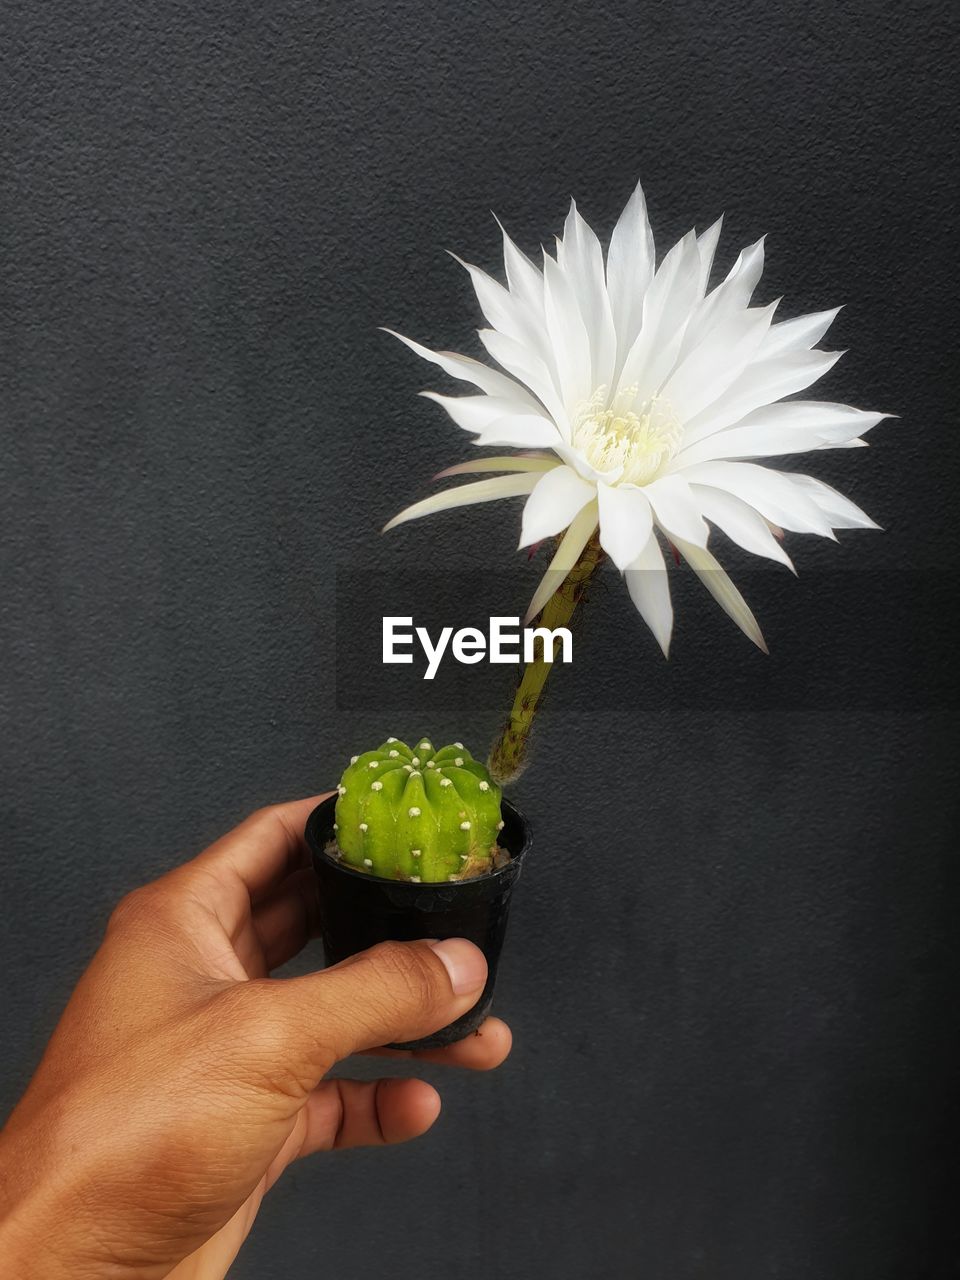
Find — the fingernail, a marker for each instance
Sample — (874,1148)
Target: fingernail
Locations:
(464,962)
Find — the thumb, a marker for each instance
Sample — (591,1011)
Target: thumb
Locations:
(394,991)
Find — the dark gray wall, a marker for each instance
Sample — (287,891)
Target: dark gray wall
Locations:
(733,962)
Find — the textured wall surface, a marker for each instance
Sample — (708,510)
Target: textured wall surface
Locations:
(733,963)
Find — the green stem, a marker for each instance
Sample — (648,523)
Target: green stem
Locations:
(508,752)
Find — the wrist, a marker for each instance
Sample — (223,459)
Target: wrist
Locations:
(39,1238)
(26,1231)
(24,1252)
(41,1232)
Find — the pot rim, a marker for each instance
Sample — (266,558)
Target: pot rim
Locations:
(368,877)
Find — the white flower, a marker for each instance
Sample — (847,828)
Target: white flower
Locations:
(650,392)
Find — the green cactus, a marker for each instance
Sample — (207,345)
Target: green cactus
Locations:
(420,814)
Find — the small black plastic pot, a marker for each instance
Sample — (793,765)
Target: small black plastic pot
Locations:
(358,910)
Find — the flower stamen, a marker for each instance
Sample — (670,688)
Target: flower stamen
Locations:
(640,439)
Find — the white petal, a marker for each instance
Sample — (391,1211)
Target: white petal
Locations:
(768,440)
(524,278)
(582,260)
(525,365)
(630,263)
(519,431)
(730,297)
(839,510)
(775,430)
(499,308)
(707,244)
(740,522)
(513,317)
(715,579)
(676,510)
(716,363)
(465,495)
(744,275)
(626,522)
(510,462)
(476,413)
(572,543)
(799,334)
(559,496)
(466,369)
(649,588)
(568,336)
(816,415)
(574,458)
(666,310)
(767,491)
(762,382)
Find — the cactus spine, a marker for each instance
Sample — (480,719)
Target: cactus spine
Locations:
(418,814)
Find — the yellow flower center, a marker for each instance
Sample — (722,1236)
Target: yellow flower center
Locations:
(639,438)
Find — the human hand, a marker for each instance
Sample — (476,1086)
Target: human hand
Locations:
(182,1080)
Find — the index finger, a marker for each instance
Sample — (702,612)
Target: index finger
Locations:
(263,850)
(481,1050)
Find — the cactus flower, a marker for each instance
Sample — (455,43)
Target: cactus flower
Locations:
(640,399)
(418,814)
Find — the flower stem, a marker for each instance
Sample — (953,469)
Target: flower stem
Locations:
(508,753)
